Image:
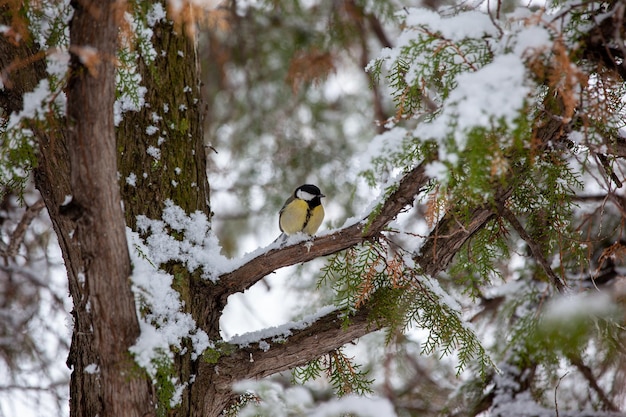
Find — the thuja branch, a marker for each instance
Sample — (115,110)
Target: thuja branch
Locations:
(450,234)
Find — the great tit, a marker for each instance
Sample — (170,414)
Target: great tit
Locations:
(303,211)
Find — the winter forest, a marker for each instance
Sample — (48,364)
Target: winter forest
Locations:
(472,257)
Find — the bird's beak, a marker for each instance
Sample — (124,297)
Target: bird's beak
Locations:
(321,195)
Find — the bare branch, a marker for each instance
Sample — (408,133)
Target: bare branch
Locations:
(593,382)
(17,236)
(534,248)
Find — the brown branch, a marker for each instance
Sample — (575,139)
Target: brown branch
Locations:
(448,237)
(615,146)
(609,170)
(593,382)
(324,335)
(17,236)
(534,248)
(378,30)
(330,332)
(251,272)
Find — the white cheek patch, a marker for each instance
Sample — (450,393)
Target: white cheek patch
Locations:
(303,195)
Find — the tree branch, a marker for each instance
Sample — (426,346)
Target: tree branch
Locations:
(324,335)
(534,248)
(450,234)
(17,237)
(330,332)
(577,361)
(251,272)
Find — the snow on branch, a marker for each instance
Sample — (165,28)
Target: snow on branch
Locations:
(252,271)
(265,357)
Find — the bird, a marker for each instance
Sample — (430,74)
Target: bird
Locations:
(302,212)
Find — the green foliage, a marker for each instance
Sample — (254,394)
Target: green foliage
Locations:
(344,375)
(354,274)
(477,265)
(570,334)
(473,158)
(128,81)
(399,152)
(43,107)
(213,354)
(135,47)
(427,69)
(546,197)
(17,158)
(400,297)
(47,22)
(18,149)
(554,332)
(432,309)
(309,372)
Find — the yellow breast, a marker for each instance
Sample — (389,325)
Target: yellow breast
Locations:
(296,217)
(293,217)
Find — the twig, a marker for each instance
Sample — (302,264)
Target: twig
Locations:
(534,248)
(556,403)
(17,236)
(593,382)
(609,170)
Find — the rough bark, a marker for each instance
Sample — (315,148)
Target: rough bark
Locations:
(172,106)
(95,207)
(324,335)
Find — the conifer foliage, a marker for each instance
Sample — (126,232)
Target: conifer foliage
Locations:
(485,278)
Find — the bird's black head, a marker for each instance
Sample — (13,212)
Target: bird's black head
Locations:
(309,193)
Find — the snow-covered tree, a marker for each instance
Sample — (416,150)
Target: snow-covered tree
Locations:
(473,159)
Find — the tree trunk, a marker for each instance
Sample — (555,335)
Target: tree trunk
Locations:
(92,232)
(178,173)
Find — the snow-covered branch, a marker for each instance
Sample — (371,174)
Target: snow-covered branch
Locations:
(251,272)
(269,355)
